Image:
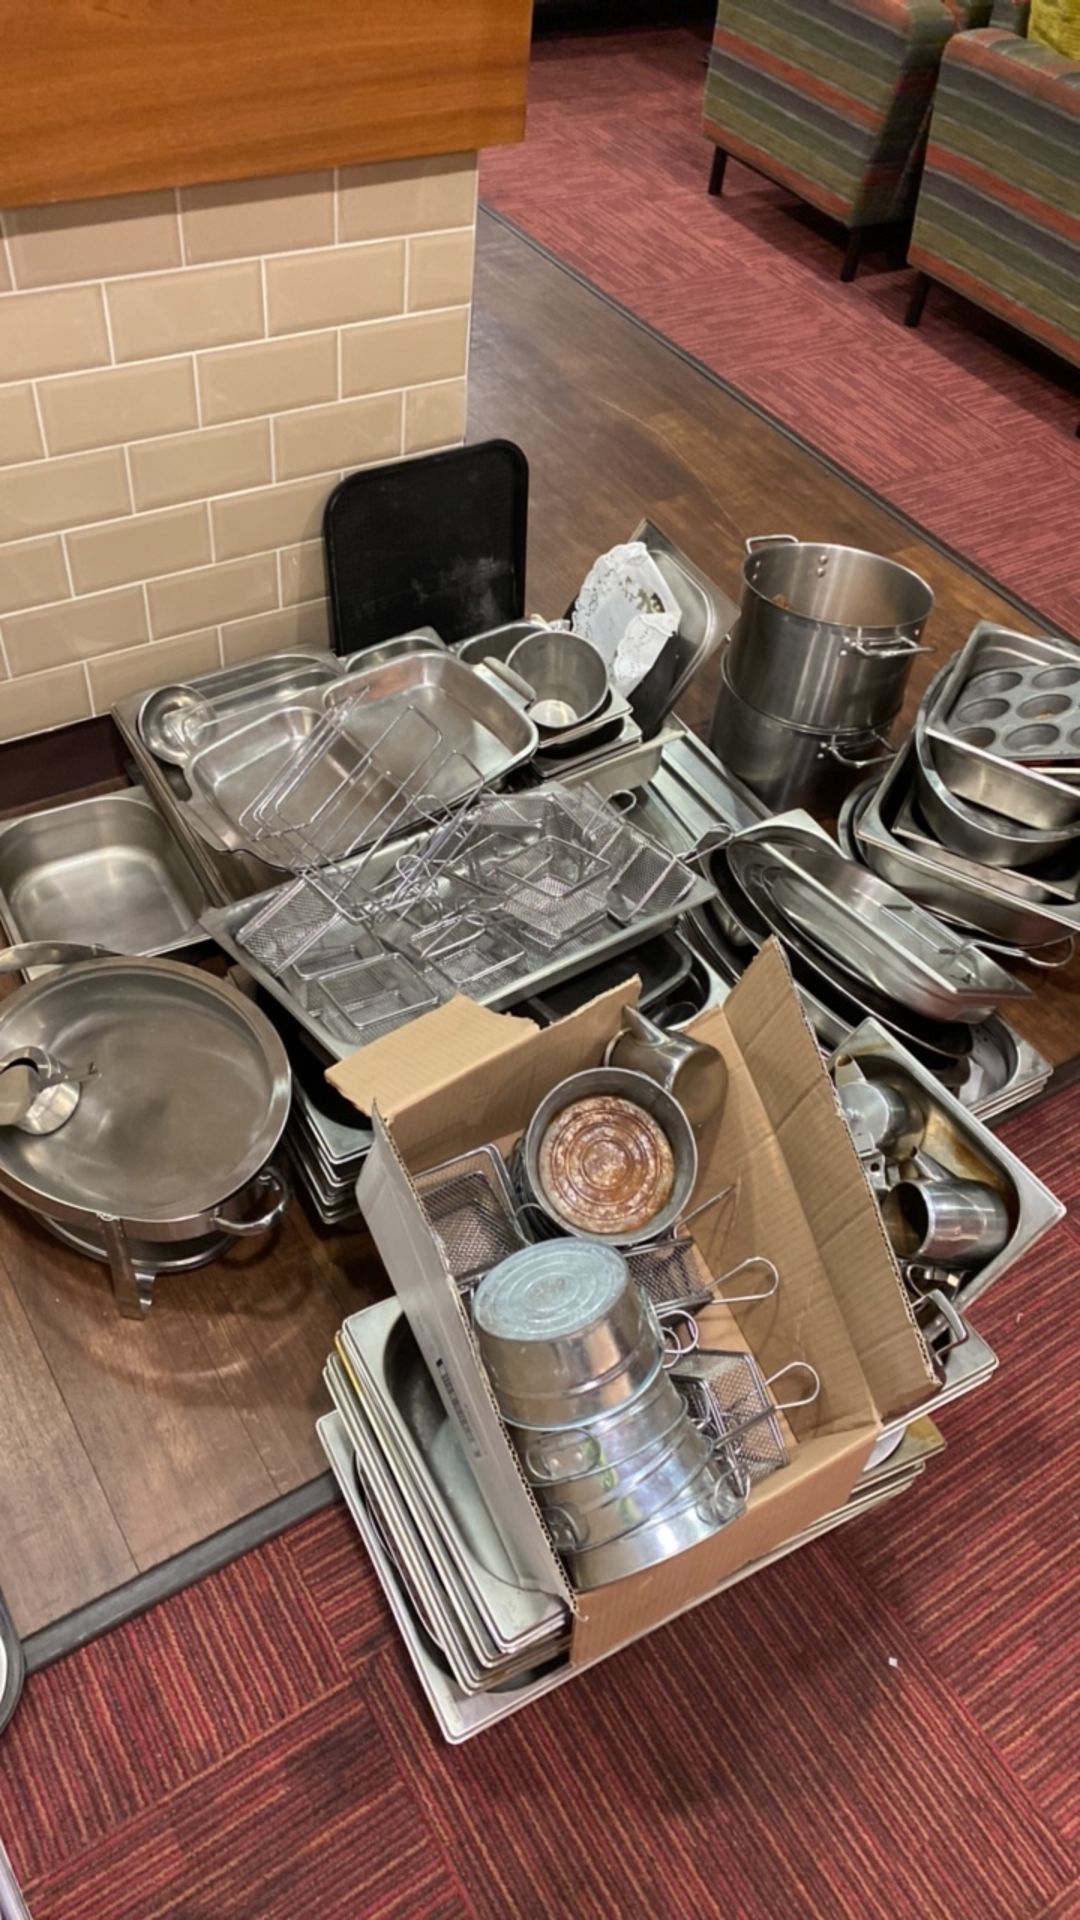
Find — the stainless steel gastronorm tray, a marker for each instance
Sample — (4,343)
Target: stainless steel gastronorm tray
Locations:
(989,906)
(978,771)
(459,1715)
(424,1446)
(967,1150)
(577,951)
(474,716)
(104,871)
(866,927)
(476,1662)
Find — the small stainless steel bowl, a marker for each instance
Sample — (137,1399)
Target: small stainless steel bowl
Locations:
(564,1333)
(639,1091)
(567,675)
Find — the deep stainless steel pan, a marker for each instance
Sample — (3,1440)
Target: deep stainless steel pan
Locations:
(867,928)
(826,635)
(990,906)
(972,769)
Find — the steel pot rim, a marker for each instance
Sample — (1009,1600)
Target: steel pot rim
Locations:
(882,560)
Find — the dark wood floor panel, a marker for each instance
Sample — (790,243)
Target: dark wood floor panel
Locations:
(59,1539)
(121,1444)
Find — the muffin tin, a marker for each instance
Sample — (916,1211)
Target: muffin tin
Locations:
(1042,791)
(1026,713)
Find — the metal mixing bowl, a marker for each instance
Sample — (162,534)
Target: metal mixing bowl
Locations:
(567,675)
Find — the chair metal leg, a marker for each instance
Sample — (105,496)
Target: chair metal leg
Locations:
(852,254)
(716,177)
(917,300)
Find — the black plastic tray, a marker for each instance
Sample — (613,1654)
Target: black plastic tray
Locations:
(439,541)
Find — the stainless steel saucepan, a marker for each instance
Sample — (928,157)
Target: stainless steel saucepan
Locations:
(184,1091)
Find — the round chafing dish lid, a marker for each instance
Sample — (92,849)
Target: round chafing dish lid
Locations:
(186,1094)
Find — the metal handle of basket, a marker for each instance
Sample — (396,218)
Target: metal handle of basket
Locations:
(806,1399)
(745,1299)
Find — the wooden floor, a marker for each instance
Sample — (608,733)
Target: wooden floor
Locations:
(120,1443)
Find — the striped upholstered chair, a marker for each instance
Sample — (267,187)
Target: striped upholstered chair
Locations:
(831,99)
(998,213)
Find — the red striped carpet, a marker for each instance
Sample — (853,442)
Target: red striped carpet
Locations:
(958,424)
(884,1729)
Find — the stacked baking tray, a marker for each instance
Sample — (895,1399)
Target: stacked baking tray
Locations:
(979,817)
(325,1138)
(983,1061)
(404,1460)
(902,1458)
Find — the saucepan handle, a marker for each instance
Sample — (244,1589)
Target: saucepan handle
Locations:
(272,1182)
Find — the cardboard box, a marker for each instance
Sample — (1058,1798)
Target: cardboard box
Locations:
(462,1076)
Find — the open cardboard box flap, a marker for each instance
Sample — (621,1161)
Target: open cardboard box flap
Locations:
(461,1077)
(419,1078)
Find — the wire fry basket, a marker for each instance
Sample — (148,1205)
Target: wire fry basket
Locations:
(375,995)
(669,1274)
(471,1207)
(292,921)
(731,1401)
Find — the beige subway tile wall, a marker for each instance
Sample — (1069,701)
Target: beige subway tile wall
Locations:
(184,377)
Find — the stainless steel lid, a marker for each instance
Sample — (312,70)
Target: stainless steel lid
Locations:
(186,1094)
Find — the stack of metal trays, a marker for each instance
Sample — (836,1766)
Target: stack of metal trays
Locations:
(326,1139)
(455,1576)
(903,1458)
(965,820)
(985,1063)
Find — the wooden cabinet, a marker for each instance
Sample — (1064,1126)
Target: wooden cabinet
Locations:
(100,98)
